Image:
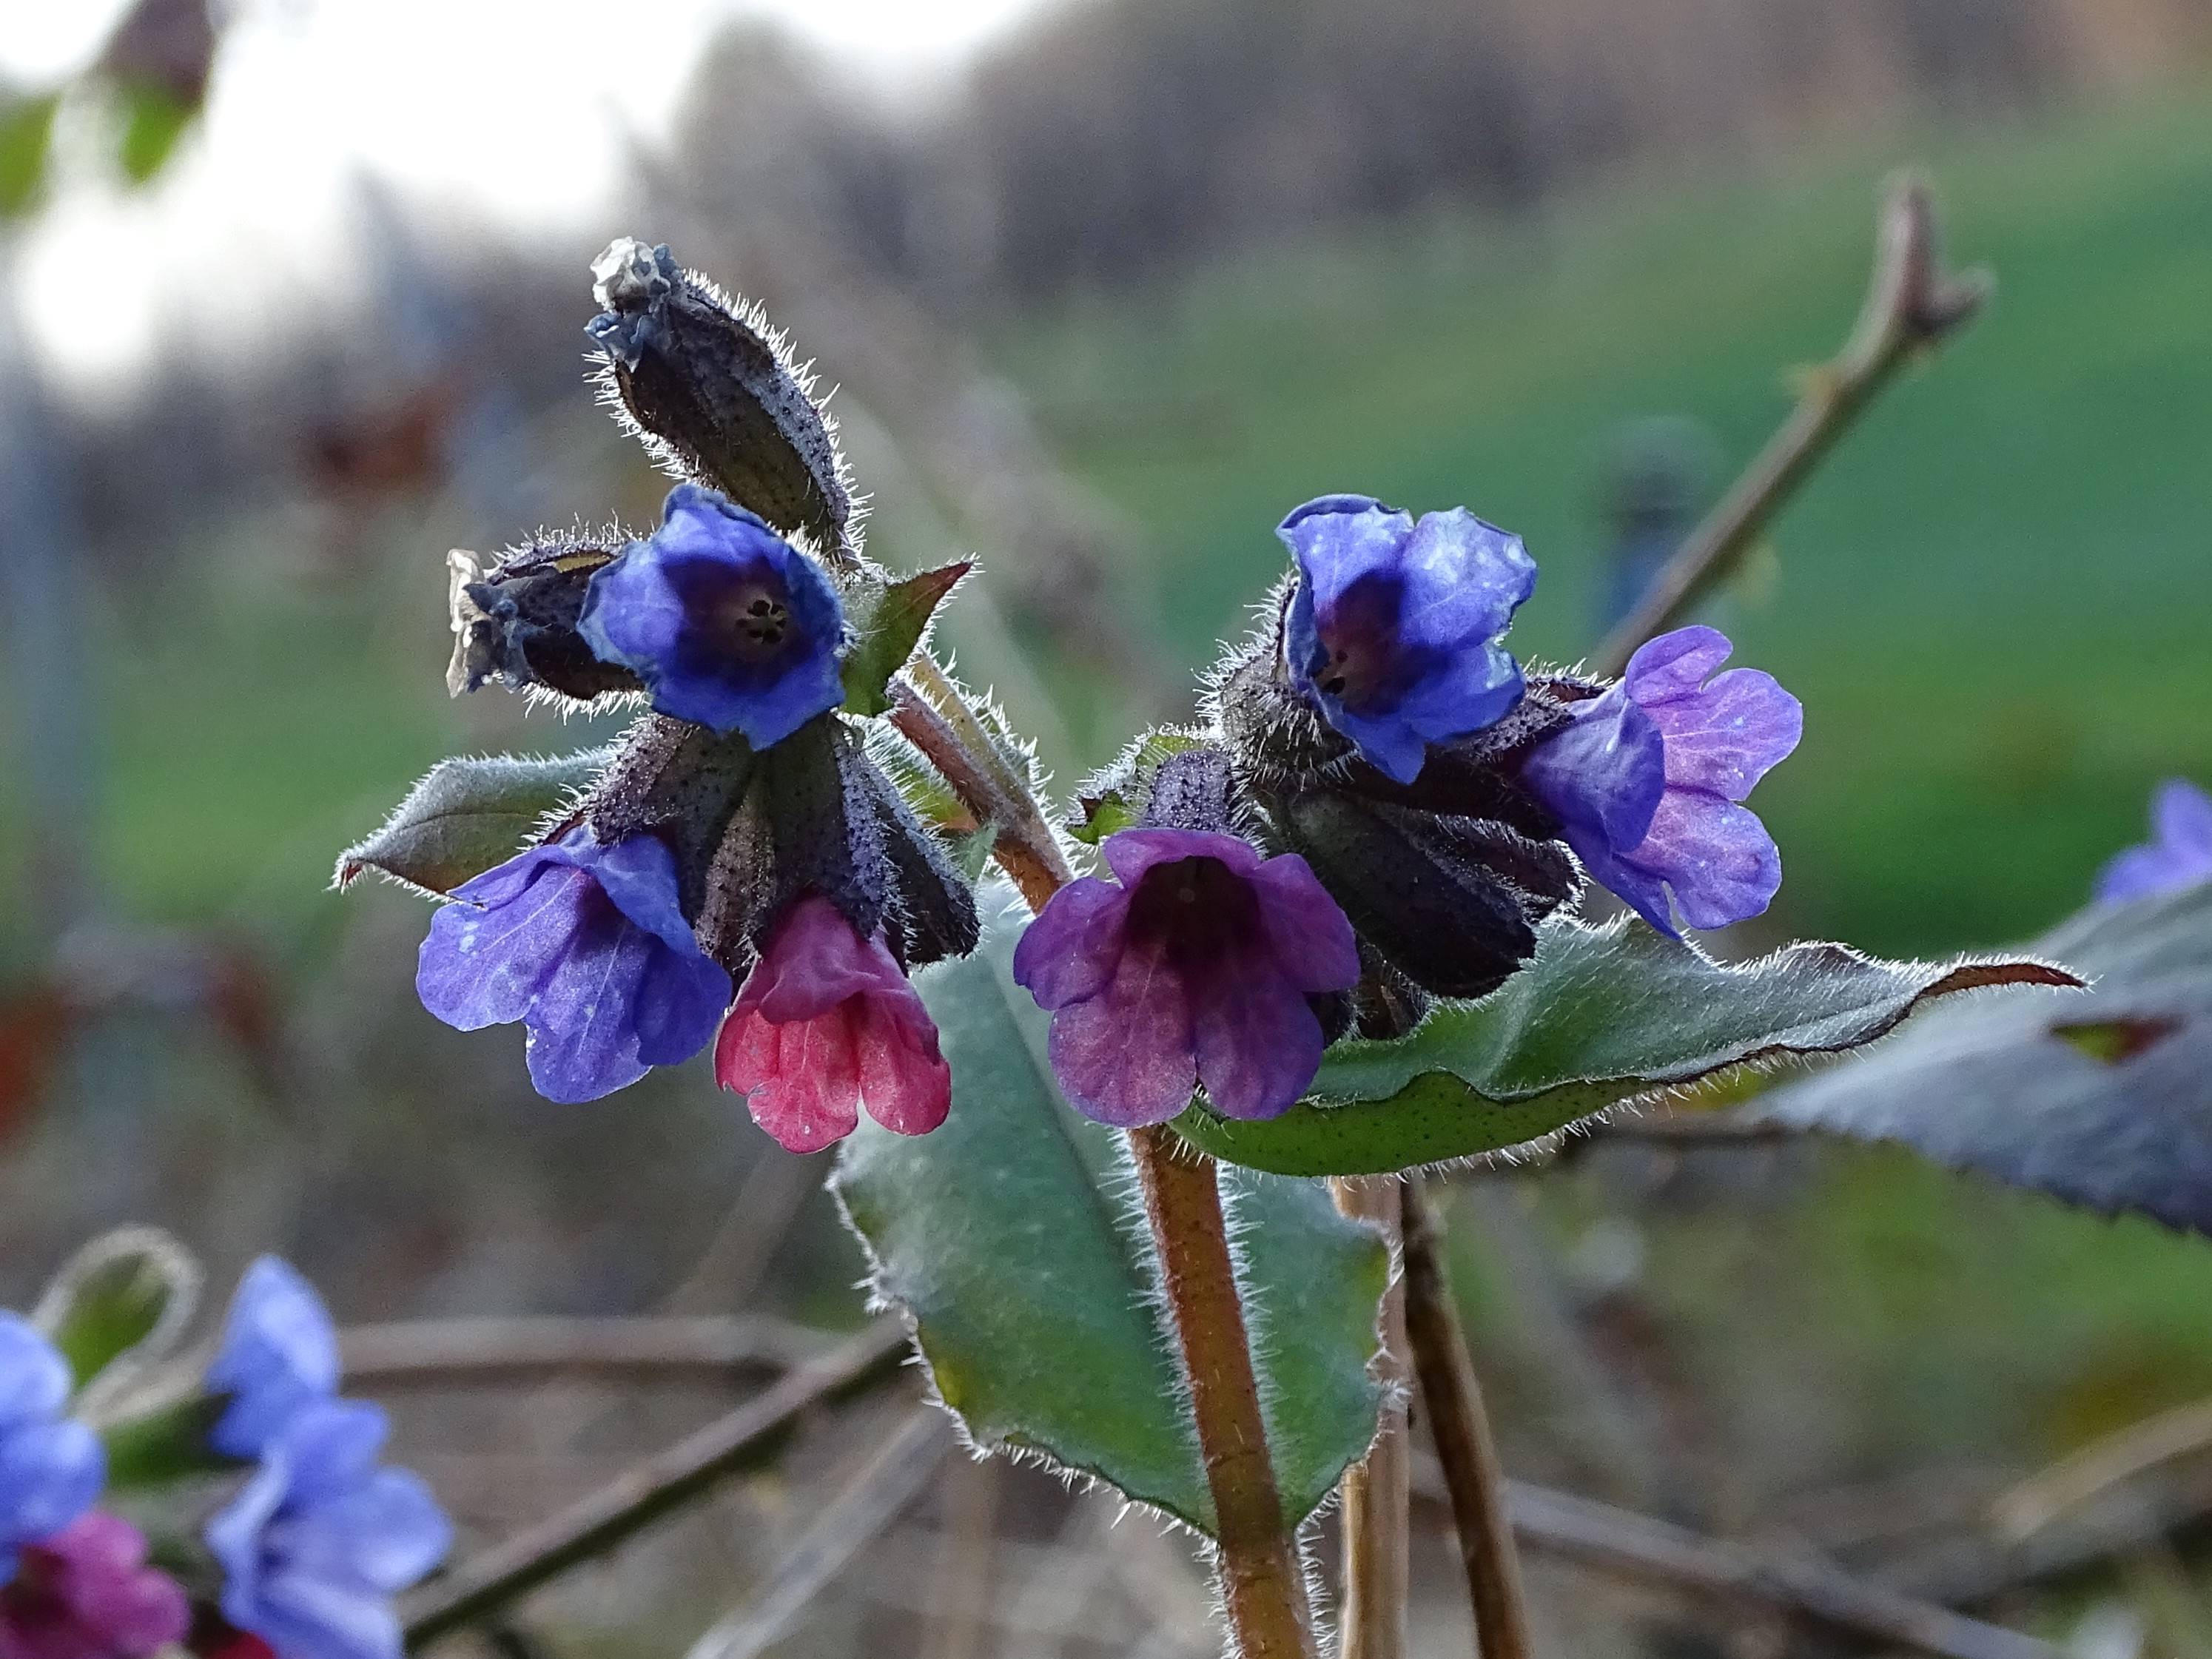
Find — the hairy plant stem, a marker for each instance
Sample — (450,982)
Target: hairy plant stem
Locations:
(1462,1431)
(1912,305)
(1371,1623)
(1255,1557)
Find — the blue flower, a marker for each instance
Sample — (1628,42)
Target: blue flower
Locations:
(316,1545)
(51,1467)
(726,622)
(1395,627)
(2179,853)
(280,1354)
(585,945)
(1646,778)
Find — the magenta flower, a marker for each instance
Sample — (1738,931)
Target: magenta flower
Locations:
(1195,969)
(87,1593)
(2179,853)
(1647,779)
(825,1023)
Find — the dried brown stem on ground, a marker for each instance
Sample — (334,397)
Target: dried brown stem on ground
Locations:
(1461,1430)
(610,1516)
(1371,1623)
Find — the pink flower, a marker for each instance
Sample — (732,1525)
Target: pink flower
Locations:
(825,1023)
(87,1593)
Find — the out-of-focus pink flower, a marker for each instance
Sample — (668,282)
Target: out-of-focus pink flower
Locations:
(824,1024)
(87,1593)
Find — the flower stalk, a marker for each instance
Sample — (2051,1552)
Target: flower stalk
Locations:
(1262,1588)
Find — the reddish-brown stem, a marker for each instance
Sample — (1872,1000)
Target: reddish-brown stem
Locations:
(1462,1431)
(1261,1586)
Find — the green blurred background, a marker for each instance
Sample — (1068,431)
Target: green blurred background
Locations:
(1106,343)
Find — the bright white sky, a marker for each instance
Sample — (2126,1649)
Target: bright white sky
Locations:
(507,108)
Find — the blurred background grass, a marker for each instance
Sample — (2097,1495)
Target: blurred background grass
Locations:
(1994,601)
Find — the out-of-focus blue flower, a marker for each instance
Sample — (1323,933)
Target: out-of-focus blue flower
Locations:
(1394,629)
(280,1353)
(316,1545)
(585,945)
(1646,778)
(1196,968)
(726,622)
(51,1466)
(2179,853)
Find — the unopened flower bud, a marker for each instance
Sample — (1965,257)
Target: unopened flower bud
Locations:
(715,395)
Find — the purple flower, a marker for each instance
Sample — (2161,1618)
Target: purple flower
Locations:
(584,943)
(280,1353)
(51,1467)
(1395,627)
(2179,853)
(87,1593)
(1646,778)
(726,622)
(1196,969)
(320,1541)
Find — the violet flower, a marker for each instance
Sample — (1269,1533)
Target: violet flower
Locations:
(825,1023)
(1394,629)
(2179,853)
(318,1543)
(584,943)
(279,1353)
(87,1593)
(51,1466)
(1647,778)
(1195,968)
(726,622)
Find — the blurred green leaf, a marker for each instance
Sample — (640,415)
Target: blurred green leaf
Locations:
(2103,1098)
(127,1293)
(1012,1238)
(1602,1015)
(467,815)
(889,620)
(165,1444)
(25,128)
(154,119)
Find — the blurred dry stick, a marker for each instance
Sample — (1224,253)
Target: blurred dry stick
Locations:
(1461,1429)
(1376,1548)
(610,1517)
(1912,305)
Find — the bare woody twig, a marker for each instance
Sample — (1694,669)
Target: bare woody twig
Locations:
(1911,306)
(1462,1433)
(1620,1541)
(618,1511)
(443,1352)
(1371,1623)
(874,1498)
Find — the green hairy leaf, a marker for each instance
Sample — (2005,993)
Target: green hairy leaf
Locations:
(889,620)
(127,1294)
(1601,1016)
(1013,1238)
(2102,1098)
(468,815)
